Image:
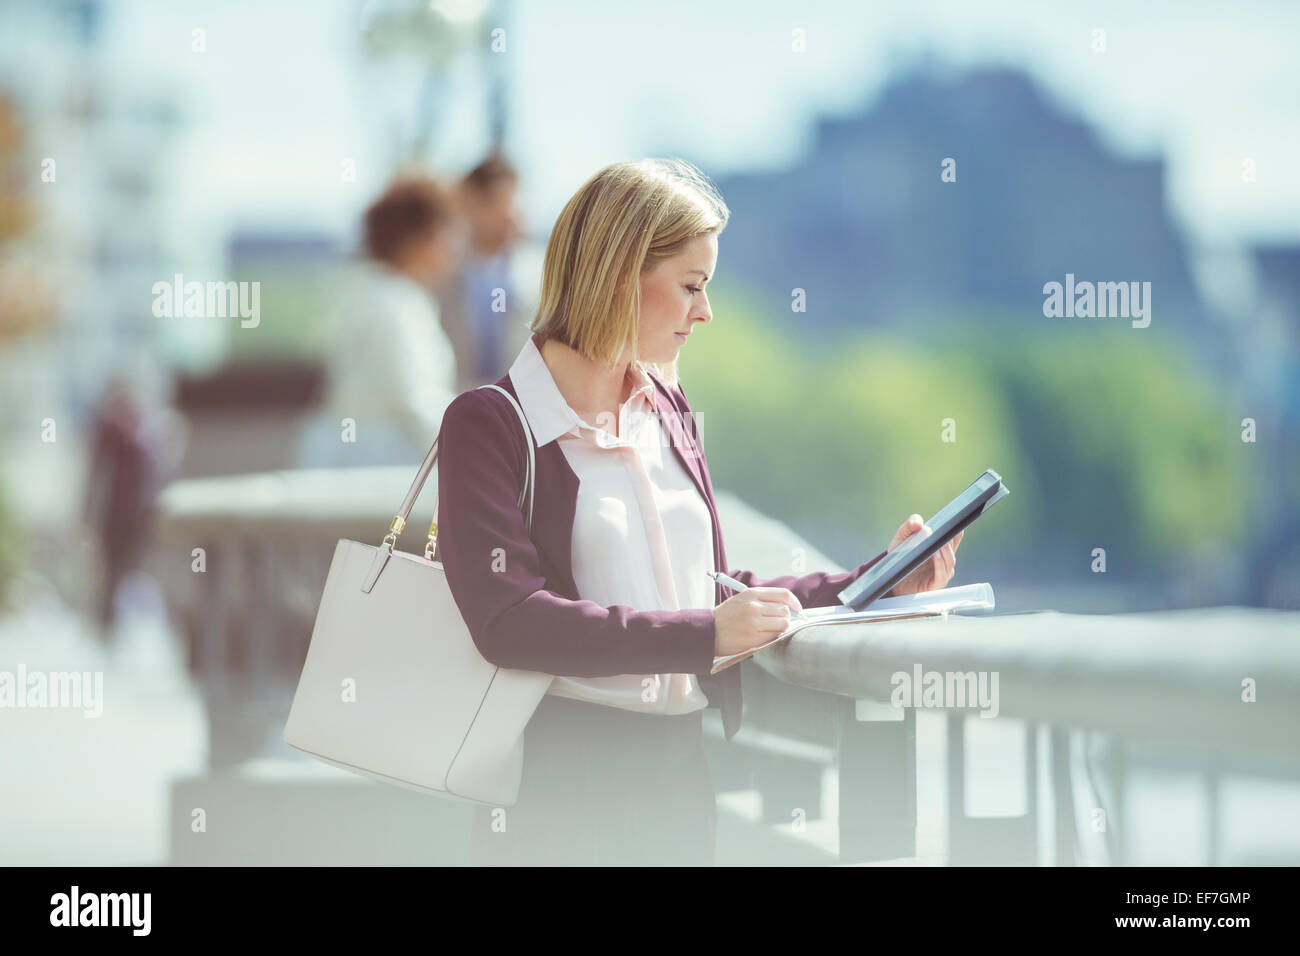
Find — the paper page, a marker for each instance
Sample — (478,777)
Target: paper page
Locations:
(924,604)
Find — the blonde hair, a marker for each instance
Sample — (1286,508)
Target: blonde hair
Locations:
(625,220)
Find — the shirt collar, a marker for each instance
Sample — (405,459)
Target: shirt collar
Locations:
(549,415)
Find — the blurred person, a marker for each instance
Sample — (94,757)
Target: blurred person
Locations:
(608,590)
(123,477)
(484,326)
(391,368)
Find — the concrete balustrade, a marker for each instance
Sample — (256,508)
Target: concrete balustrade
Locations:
(818,707)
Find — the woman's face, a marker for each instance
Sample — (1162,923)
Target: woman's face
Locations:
(673,300)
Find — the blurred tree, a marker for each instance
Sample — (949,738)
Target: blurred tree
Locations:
(862,425)
(1105,440)
(26,303)
(1131,439)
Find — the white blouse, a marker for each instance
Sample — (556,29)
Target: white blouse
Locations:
(642,534)
(391,369)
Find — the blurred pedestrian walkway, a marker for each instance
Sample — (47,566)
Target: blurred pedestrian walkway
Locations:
(95,791)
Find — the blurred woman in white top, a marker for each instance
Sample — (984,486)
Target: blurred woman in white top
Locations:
(391,370)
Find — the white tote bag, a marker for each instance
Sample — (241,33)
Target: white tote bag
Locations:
(393,686)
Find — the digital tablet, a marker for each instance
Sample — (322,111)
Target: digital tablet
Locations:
(877,580)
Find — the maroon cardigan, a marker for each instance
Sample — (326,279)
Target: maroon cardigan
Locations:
(516,591)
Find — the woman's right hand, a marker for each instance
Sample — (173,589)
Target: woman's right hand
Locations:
(752,617)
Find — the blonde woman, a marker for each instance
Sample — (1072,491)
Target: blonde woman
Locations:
(609,591)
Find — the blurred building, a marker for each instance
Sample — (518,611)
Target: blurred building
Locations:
(101,139)
(865,225)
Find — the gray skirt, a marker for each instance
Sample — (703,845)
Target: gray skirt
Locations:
(604,786)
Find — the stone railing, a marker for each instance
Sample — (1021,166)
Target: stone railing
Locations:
(1218,686)
(817,708)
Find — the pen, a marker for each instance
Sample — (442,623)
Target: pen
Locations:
(729,582)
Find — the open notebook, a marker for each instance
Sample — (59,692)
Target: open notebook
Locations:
(926,604)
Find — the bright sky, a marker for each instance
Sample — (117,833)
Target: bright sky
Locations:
(277,102)
(1205,84)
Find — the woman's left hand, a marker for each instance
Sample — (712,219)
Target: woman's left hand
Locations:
(933,574)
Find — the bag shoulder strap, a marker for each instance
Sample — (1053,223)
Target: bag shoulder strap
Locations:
(529,475)
(426,468)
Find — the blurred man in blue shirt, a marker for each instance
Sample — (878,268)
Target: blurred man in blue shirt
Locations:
(478,312)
